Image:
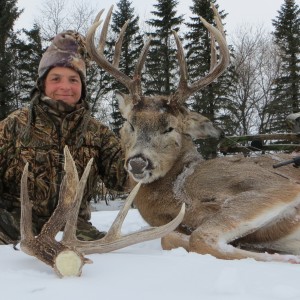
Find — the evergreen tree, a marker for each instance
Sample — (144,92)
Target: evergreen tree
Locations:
(131,48)
(98,89)
(213,101)
(98,86)
(27,57)
(287,84)
(8,15)
(162,64)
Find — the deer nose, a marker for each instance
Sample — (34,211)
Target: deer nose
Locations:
(137,165)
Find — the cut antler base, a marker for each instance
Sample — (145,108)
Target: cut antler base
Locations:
(69,263)
(64,261)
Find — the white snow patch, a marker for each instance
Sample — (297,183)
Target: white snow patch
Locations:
(145,271)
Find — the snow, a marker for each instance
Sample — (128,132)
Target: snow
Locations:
(145,271)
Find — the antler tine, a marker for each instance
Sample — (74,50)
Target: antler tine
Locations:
(104,31)
(137,92)
(67,196)
(114,240)
(219,36)
(118,45)
(98,56)
(213,53)
(69,234)
(182,63)
(103,36)
(115,229)
(218,20)
(132,84)
(63,259)
(216,69)
(142,59)
(113,233)
(26,210)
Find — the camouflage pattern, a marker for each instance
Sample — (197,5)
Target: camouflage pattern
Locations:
(9,228)
(67,49)
(53,124)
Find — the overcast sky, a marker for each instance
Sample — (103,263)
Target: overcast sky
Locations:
(251,12)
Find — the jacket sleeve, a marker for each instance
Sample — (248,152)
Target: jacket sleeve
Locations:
(111,162)
(7,129)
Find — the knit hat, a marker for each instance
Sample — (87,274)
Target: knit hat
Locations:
(66,50)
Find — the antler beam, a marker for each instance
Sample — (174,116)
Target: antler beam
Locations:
(217,67)
(114,239)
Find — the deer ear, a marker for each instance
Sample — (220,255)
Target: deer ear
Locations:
(125,103)
(199,127)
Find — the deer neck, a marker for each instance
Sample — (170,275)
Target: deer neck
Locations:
(188,157)
(169,189)
(189,160)
(186,160)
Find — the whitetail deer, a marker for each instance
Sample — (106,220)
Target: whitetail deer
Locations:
(236,207)
(67,256)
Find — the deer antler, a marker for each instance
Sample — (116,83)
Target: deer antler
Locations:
(114,240)
(66,256)
(65,260)
(184,91)
(133,84)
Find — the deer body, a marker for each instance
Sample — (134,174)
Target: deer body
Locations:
(230,201)
(235,208)
(234,201)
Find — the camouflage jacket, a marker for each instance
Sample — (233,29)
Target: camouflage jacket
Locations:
(43,149)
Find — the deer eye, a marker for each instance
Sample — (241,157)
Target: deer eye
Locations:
(170,129)
(131,126)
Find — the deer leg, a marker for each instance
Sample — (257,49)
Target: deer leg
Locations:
(214,236)
(284,236)
(206,243)
(175,240)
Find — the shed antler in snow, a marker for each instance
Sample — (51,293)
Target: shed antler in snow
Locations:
(67,255)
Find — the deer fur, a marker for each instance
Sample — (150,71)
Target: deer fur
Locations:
(236,207)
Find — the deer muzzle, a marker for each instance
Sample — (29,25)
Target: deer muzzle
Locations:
(138,166)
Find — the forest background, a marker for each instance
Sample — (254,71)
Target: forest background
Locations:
(254,96)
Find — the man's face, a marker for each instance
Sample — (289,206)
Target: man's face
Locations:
(63,84)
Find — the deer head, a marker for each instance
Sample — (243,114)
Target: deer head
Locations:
(170,122)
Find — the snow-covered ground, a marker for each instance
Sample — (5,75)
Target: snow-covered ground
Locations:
(146,272)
